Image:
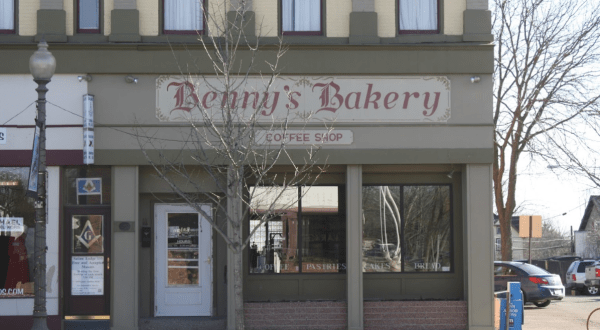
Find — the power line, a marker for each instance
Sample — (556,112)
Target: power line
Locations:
(13,117)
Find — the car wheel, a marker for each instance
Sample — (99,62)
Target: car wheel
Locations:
(591,290)
(542,303)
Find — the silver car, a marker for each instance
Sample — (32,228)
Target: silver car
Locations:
(576,277)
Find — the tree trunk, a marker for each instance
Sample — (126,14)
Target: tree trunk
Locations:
(235,221)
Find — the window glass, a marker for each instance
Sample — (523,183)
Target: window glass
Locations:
(427,228)
(305,231)
(7,15)
(415,16)
(582,265)
(182,264)
(88,234)
(88,185)
(382,229)
(17,227)
(89,15)
(301,15)
(183,15)
(498,244)
(407,229)
(504,271)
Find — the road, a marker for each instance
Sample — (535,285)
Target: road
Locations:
(569,314)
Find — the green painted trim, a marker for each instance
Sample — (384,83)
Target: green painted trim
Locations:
(422,38)
(363,28)
(52,25)
(477,25)
(88,38)
(333,157)
(125,26)
(162,59)
(15,39)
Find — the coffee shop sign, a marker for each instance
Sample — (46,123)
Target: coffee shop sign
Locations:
(302,99)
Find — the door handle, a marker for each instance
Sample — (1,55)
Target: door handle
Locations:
(108,263)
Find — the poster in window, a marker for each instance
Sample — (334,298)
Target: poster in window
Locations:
(87,276)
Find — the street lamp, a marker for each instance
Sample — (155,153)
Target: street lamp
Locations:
(41,65)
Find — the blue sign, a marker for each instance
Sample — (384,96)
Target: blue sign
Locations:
(89,186)
(515,317)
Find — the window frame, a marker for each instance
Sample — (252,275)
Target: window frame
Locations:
(405,32)
(403,232)
(300,232)
(183,32)
(320,32)
(15,19)
(100,15)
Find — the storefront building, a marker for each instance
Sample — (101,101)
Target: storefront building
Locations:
(395,234)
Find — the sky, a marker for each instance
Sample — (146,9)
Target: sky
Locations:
(550,193)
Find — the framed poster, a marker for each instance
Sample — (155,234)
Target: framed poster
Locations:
(87,276)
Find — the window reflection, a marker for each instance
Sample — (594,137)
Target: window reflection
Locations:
(298,230)
(17,222)
(427,228)
(406,228)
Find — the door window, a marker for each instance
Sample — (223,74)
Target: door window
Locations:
(182,249)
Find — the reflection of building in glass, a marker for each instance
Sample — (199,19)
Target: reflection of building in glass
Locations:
(307,239)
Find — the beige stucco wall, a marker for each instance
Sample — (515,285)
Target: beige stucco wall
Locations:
(28,17)
(452,10)
(108,7)
(386,18)
(266,14)
(453,16)
(68,7)
(148,17)
(338,18)
(217,12)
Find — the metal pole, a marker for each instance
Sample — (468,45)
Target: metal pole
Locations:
(507,306)
(40,315)
(530,229)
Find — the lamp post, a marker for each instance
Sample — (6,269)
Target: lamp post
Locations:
(41,65)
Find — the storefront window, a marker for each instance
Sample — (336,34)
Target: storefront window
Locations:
(305,231)
(407,228)
(17,219)
(88,185)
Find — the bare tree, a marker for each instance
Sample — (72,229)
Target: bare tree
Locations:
(227,143)
(546,67)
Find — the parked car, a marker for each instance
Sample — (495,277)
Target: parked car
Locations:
(576,277)
(538,286)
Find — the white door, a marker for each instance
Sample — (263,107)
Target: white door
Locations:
(183,261)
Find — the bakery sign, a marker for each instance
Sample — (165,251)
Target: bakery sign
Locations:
(306,99)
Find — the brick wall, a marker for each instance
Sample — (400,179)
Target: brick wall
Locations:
(422,315)
(296,315)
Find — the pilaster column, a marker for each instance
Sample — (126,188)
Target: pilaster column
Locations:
(125,249)
(354,271)
(477,22)
(247,21)
(125,22)
(363,23)
(478,246)
(51,21)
